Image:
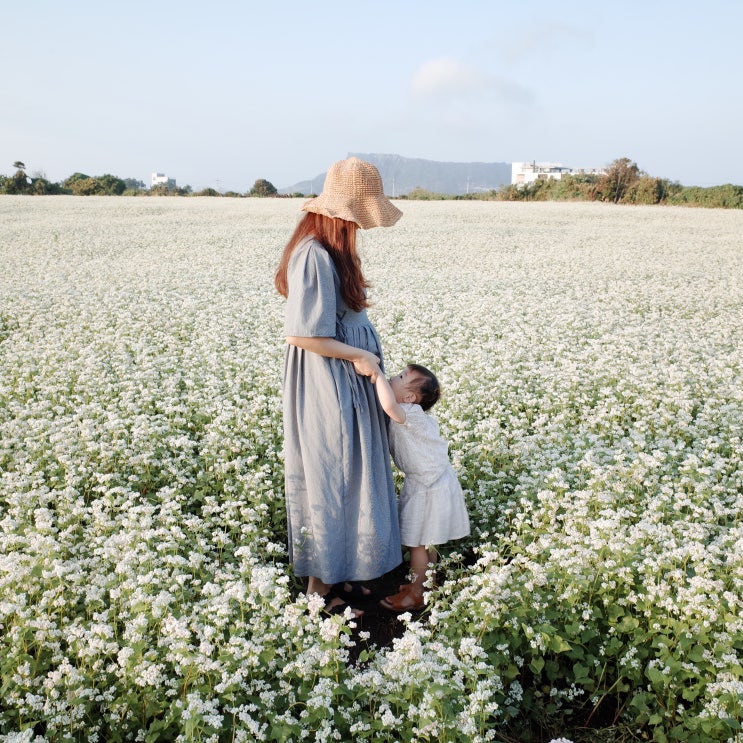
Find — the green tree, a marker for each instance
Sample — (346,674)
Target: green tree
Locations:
(111,184)
(646,190)
(42,187)
(81,184)
(71,180)
(421,194)
(727,196)
(263,188)
(620,176)
(85,187)
(19,182)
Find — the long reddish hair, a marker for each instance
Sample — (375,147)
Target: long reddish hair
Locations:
(338,237)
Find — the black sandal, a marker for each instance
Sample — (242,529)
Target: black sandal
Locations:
(338,608)
(355,592)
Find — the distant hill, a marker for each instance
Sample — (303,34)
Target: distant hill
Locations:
(402,174)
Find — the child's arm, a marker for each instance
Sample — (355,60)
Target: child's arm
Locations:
(387,399)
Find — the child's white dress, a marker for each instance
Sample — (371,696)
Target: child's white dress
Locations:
(431,505)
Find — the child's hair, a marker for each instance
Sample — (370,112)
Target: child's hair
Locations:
(429,390)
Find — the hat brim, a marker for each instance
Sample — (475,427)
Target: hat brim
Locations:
(378,211)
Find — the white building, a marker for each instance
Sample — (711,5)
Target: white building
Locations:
(523,173)
(160,179)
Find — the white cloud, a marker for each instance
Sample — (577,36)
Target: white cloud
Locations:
(447,77)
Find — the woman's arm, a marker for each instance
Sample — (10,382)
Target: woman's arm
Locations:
(388,401)
(365,362)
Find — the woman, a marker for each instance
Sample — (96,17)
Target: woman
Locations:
(341,508)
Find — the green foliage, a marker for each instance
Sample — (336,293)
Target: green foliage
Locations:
(491,195)
(163,189)
(133,184)
(43,187)
(727,197)
(111,184)
(623,182)
(19,182)
(620,176)
(646,190)
(263,188)
(421,194)
(86,187)
(76,176)
(568,188)
(103,185)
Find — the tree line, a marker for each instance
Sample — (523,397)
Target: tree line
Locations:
(621,183)
(80,184)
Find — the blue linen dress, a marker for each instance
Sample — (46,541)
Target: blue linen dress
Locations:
(340,494)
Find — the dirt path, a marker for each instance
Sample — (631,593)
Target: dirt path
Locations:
(382,625)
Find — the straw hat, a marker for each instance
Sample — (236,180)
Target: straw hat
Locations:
(353,191)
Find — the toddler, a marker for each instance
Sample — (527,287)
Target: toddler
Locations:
(431,505)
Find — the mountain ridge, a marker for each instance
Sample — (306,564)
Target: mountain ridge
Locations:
(401,175)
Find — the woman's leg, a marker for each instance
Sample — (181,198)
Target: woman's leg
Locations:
(315,585)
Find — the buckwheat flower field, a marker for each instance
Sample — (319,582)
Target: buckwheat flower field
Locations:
(592,364)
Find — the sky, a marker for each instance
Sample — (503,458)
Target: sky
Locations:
(222,93)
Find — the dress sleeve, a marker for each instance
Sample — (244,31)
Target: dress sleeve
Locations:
(311,304)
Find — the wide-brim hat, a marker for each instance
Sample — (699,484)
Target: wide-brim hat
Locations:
(353,191)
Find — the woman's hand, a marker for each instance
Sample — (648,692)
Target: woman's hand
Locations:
(367,365)
(364,362)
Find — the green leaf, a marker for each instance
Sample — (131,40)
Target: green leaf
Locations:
(696,654)
(656,677)
(559,644)
(536,665)
(511,672)
(628,624)
(580,671)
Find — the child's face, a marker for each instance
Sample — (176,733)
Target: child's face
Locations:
(405,385)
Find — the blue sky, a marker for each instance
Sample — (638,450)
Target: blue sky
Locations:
(222,93)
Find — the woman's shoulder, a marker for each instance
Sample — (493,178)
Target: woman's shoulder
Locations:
(309,246)
(310,250)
